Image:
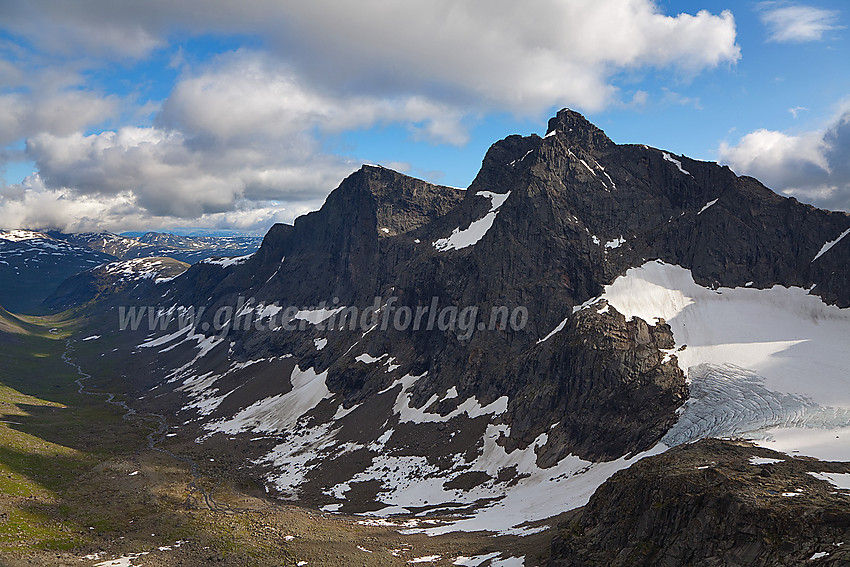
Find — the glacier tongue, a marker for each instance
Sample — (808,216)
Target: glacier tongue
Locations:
(728,401)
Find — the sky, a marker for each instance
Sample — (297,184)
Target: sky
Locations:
(163,115)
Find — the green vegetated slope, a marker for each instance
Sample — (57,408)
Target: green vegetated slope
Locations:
(79,485)
(50,437)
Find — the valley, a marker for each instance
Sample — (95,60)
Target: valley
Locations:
(84,485)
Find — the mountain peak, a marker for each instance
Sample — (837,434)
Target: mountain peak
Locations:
(579,130)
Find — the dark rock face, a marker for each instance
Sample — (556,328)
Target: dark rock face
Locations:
(580,211)
(706,504)
(602,374)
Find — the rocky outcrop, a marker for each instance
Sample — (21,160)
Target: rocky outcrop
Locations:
(708,504)
(602,375)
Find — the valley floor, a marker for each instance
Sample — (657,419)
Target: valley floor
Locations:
(81,485)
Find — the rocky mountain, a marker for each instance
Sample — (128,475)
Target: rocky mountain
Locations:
(32,264)
(714,503)
(193,249)
(116,246)
(491,356)
(127,278)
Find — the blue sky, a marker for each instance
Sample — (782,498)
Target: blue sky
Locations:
(162,115)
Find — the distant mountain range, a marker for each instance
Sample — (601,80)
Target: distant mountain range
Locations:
(34,263)
(189,249)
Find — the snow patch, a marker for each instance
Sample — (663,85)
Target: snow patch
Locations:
(366,358)
(276,413)
(475,560)
(678,163)
(477,229)
(616,243)
(226,261)
(841,481)
(316,316)
(707,205)
(826,247)
(556,330)
(509,562)
(764,461)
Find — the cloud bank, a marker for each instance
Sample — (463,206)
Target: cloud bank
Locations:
(813,166)
(244,129)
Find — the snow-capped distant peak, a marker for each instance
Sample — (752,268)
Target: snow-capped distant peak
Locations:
(20,235)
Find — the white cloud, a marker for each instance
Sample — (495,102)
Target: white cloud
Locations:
(246,95)
(167,176)
(814,166)
(492,54)
(246,129)
(787,22)
(797,110)
(34,205)
(38,97)
(243,130)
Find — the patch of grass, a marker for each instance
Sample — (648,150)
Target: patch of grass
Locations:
(23,529)
(50,435)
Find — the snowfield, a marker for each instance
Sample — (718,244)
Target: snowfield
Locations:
(768,364)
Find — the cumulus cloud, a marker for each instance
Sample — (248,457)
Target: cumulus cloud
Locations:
(169,177)
(61,112)
(244,132)
(518,56)
(241,130)
(247,94)
(38,97)
(787,22)
(499,53)
(814,166)
(32,204)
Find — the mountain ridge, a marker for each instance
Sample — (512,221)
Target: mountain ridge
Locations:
(574,393)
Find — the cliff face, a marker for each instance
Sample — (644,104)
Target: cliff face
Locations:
(709,504)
